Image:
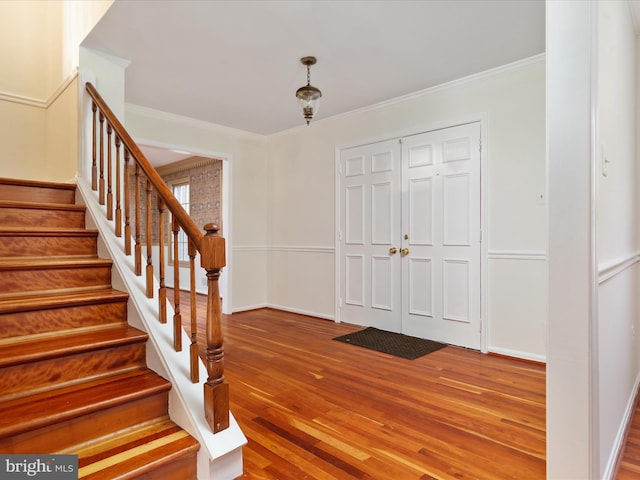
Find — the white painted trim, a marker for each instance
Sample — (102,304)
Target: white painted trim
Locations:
(487,74)
(36,102)
(616,267)
(172,117)
(284,248)
(533,255)
(518,354)
(300,248)
(251,248)
(246,308)
(618,444)
(483,118)
(417,129)
(299,311)
(308,313)
(337,222)
(596,414)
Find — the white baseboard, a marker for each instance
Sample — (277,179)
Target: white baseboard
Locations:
(246,308)
(618,443)
(302,312)
(518,354)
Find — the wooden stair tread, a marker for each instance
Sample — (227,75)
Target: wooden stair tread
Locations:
(37,302)
(44,263)
(57,344)
(135,450)
(42,205)
(37,184)
(57,405)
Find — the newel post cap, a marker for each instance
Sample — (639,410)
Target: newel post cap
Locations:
(213,251)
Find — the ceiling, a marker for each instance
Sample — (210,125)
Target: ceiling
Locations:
(237,63)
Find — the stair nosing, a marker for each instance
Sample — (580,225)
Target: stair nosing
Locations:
(58,262)
(28,303)
(17,230)
(69,207)
(37,184)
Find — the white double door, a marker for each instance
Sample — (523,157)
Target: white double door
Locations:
(410,235)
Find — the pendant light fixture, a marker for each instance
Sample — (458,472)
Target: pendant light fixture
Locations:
(308,96)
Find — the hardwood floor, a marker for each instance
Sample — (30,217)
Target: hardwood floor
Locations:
(314,408)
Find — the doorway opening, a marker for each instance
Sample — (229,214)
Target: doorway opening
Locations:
(208,176)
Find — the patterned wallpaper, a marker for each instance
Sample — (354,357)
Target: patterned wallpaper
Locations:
(205,194)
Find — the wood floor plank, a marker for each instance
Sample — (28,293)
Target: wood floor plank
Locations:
(315,408)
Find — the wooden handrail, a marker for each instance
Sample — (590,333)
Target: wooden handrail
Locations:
(183,218)
(210,246)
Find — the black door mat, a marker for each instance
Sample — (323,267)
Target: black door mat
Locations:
(392,343)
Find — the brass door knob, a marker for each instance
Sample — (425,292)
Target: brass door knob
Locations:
(404,251)
(393,251)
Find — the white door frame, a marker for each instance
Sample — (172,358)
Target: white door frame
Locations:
(482,118)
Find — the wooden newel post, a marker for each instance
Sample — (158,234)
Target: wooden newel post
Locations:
(216,391)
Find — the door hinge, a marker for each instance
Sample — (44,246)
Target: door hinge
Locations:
(480,235)
(480,145)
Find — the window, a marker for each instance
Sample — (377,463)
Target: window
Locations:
(180,189)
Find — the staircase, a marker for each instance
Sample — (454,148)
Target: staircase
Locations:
(74,374)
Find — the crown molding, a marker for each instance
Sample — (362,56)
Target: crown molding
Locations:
(186,164)
(509,67)
(175,118)
(39,103)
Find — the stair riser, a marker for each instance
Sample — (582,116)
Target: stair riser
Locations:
(54,279)
(182,468)
(35,217)
(40,246)
(19,380)
(43,194)
(64,435)
(50,320)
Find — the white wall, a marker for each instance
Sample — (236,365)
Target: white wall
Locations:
(616,227)
(571,263)
(302,197)
(249,171)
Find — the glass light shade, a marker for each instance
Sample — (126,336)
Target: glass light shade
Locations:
(309,101)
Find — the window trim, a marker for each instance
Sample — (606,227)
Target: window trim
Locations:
(172,184)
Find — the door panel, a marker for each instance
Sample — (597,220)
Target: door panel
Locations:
(369,227)
(450,210)
(421,195)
